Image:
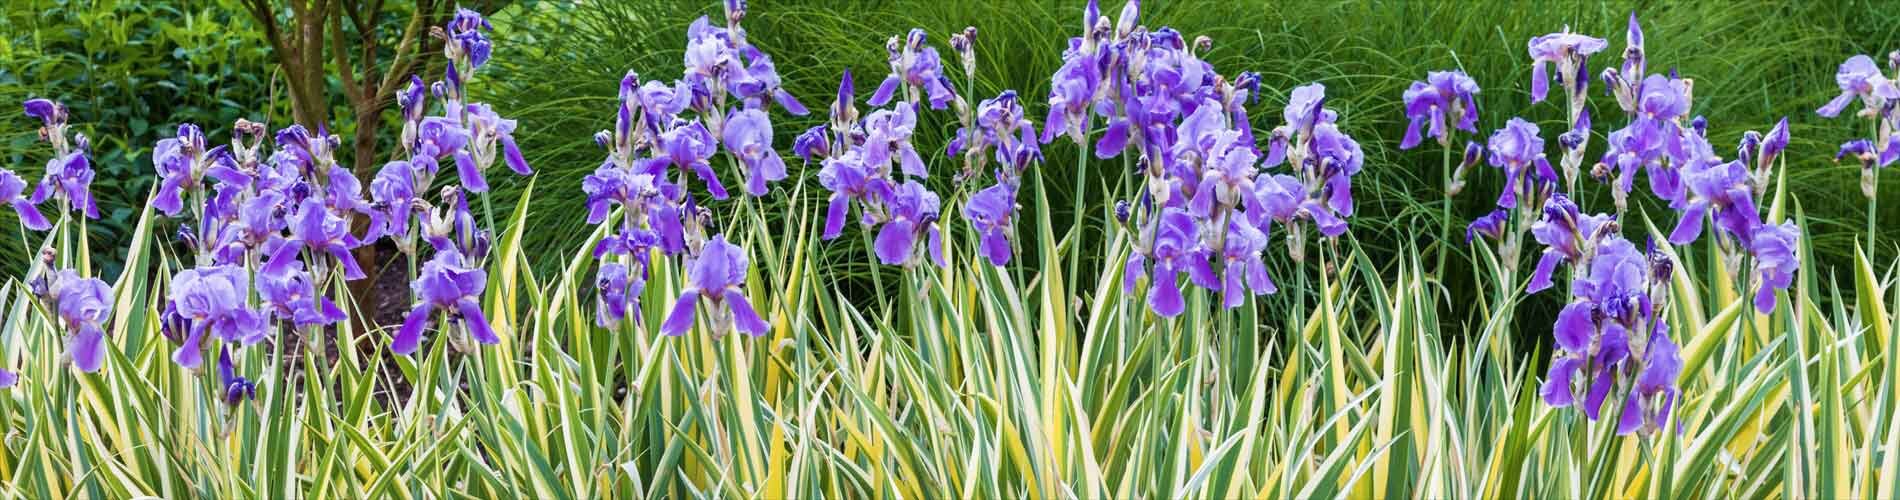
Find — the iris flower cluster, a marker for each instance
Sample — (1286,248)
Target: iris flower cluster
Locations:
(80,303)
(1611,332)
(1860,79)
(870,161)
(1207,202)
(654,152)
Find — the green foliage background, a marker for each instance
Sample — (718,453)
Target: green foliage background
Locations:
(131,71)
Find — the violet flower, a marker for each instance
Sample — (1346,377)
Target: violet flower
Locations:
(212,300)
(912,213)
(1774,248)
(690,148)
(68,179)
(488,130)
(716,278)
(1444,100)
(449,286)
(236,389)
(619,294)
(291,296)
(1568,51)
(1177,248)
(887,136)
(991,212)
(12,189)
(1490,225)
(1242,265)
(917,67)
(849,180)
(394,192)
(1519,151)
(1860,77)
(315,228)
(1720,191)
(1568,236)
(748,135)
(83,305)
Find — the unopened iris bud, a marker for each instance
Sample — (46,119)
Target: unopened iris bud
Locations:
(1474,152)
(82,142)
(1203,43)
(602,138)
(189,237)
(1700,124)
(735,11)
(1121,211)
(1571,140)
(1893,61)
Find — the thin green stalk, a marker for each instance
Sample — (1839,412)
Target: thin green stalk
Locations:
(1444,223)
(1075,229)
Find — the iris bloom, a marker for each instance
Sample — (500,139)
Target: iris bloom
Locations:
(1774,248)
(212,300)
(1568,51)
(12,189)
(1567,235)
(315,228)
(715,279)
(990,212)
(83,304)
(917,66)
(1519,151)
(236,389)
(291,296)
(448,286)
(1860,77)
(911,213)
(1444,100)
(748,135)
(1177,249)
(849,180)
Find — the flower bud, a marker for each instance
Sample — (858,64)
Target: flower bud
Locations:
(1121,211)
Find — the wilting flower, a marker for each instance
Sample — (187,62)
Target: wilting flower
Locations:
(1177,248)
(83,304)
(1568,51)
(448,286)
(911,213)
(1860,77)
(12,189)
(212,300)
(1774,248)
(716,278)
(1443,100)
(990,212)
(51,114)
(291,296)
(749,138)
(236,389)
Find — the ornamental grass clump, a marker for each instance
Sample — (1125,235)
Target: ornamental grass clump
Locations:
(1237,331)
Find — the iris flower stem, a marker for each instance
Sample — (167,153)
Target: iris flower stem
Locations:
(1873,202)
(488,213)
(1080,219)
(877,278)
(1444,223)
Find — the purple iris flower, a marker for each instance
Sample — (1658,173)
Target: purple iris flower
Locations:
(68,178)
(1177,249)
(1445,97)
(849,179)
(1773,144)
(1227,181)
(437,138)
(749,138)
(912,213)
(50,113)
(1072,92)
(394,192)
(12,189)
(292,297)
(1647,407)
(465,37)
(612,185)
(1491,225)
(236,389)
(179,164)
(690,148)
(619,294)
(1774,248)
(212,300)
(1611,299)
(1721,191)
(1519,151)
(448,286)
(991,212)
(1282,198)
(486,131)
(762,82)
(1242,264)
(1567,234)
(315,228)
(1860,77)
(1305,107)
(1001,126)
(1568,51)
(716,278)
(814,141)
(83,304)
(918,67)
(887,136)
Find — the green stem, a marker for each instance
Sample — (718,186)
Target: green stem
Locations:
(877,278)
(1075,229)
(1444,223)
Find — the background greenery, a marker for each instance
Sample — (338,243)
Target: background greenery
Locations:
(131,71)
